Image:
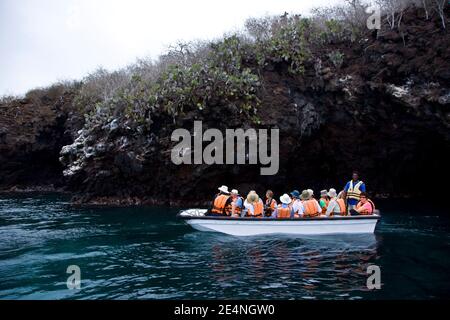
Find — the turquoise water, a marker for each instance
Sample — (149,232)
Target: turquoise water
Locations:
(146,253)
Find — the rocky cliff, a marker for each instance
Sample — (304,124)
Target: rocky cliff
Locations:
(32,133)
(379,105)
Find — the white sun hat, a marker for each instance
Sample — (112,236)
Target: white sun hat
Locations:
(224,189)
(332,193)
(234,191)
(311,192)
(285,199)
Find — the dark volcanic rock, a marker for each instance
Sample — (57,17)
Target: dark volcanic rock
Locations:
(32,134)
(385,112)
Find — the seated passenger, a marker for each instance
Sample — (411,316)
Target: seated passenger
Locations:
(342,203)
(311,206)
(237,204)
(364,207)
(270,204)
(324,200)
(222,203)
(284,210)
(336,207)
(254,205)
(296,204)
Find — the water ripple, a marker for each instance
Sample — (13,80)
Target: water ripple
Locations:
(145,253)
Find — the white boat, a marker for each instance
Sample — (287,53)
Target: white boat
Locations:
(248,226)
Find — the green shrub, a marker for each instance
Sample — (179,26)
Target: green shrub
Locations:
(337,58)
(200,75)
(190,81)
(38,96)
(285,41)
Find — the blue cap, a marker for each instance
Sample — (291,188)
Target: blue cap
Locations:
(295,193)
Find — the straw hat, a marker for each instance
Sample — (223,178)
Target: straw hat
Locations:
(306,195)
(285,199)
(332,193)
(224,189)
(252,197)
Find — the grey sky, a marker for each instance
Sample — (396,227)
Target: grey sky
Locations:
(43,41)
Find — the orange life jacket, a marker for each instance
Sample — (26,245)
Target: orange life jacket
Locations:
(310,208)
(219,206)
(258,209)
(271,205)
(365,212)
(341,204)
(283,213)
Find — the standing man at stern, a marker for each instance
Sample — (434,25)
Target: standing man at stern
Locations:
(352,191)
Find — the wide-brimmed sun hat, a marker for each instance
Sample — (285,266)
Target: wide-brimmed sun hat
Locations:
(305,195)
(234,191)
(285,199)
(295,193)
(224,189)
(323,192)
(252,197)
(311,192)
(332,193)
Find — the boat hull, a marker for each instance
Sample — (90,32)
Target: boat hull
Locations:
(308,226)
